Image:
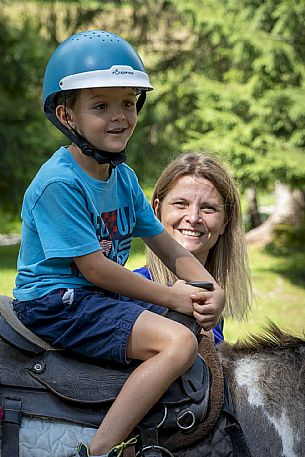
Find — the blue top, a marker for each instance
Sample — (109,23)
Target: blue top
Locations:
(67,213)
(217,330)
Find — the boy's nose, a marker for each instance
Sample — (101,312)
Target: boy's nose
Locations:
(117,114)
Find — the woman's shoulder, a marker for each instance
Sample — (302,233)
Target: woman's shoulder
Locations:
(143,271)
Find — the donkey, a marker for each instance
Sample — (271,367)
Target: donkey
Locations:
(266,378)
(266,375)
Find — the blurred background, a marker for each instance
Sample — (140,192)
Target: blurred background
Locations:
(229,78)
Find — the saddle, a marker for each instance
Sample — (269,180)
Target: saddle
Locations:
(36,380)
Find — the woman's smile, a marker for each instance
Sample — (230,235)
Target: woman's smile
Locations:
(191,233)
(193,213)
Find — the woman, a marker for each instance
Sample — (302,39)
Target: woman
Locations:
(198,203)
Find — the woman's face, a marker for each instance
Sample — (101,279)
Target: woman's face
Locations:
(193,213)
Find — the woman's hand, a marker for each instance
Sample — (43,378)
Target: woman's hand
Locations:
(181,300)
(207,307)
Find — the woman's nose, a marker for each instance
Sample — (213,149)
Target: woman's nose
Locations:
(194,215)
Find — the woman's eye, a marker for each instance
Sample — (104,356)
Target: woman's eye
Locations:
(180,204)
(208,209)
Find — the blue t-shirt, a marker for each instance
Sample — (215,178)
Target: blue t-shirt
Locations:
(67,213)
(217,330)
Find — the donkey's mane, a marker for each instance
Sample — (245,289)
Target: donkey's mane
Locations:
(272,337)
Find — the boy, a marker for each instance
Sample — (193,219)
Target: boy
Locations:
(79,216)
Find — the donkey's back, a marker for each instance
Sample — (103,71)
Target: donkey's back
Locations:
(267,378)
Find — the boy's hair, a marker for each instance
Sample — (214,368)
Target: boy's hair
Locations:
(67,98)
(227,259)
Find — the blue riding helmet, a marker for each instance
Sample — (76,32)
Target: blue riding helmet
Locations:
(93,59)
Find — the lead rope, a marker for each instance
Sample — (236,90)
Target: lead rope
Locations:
(119,448)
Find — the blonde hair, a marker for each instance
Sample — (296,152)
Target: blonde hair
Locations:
(227,260)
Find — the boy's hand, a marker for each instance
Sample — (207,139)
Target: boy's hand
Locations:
(207,307)
(181,299)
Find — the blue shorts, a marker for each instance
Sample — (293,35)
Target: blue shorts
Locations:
(86,321)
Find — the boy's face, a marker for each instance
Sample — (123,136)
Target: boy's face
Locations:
(106,117)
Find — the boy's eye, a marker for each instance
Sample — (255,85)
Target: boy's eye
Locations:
(129,103)
(101,106)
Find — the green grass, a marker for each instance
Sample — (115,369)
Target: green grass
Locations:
(279,290)
(9,223)
(8,259)
(279,287)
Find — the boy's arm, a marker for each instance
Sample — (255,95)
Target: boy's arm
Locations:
(106,274)
(177,259)
(208,306)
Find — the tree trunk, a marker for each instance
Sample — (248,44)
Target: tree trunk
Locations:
(288,209)
(253,212)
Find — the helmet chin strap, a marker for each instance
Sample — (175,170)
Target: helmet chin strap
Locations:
(102,157)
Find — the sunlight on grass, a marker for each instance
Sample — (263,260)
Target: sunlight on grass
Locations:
(278,297)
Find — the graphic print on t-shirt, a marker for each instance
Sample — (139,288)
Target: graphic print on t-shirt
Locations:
(114,231)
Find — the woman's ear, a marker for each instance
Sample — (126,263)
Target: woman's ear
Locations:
(157,208)
(223,229)
(64,115)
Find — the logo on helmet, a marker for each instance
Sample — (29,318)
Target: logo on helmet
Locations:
(122,72)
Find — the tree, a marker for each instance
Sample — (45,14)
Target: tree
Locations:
(23,131)
(235,86)
(27,138)
(228,77)
(250,103)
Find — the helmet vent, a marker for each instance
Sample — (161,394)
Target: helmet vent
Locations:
(104,36)
(93,62)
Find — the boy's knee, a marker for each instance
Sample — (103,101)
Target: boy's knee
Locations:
(184,346)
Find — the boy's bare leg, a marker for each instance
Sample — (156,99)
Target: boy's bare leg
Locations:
(168,350)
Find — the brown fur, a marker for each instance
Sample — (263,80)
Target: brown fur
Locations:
(272,338)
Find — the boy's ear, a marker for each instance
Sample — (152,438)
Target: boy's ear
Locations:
(64,115)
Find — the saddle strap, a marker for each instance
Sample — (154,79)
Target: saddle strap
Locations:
(149,441)
(10,426)
(237,438)
(209,353)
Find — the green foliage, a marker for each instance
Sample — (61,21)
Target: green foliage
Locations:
(27,138)
(9,223)
(228,77)
(23,130)
(287,238)
(250,109)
